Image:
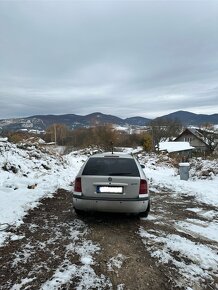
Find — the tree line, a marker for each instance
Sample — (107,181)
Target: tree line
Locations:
(103,135)
(160,129)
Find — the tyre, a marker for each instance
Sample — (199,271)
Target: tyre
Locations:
(79,212)
(145,213)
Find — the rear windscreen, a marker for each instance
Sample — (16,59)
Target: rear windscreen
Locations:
(111,166)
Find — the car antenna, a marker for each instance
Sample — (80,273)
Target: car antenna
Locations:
(112,147)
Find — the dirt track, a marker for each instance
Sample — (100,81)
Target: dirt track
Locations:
(122,257)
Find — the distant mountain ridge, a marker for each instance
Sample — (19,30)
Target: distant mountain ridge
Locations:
(188,118)
(41,122)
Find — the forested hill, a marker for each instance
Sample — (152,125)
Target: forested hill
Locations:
(41,122)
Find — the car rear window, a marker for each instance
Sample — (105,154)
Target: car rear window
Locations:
(111,166)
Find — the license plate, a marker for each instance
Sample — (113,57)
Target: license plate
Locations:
(109,189)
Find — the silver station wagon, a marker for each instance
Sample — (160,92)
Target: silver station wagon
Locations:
(111,183)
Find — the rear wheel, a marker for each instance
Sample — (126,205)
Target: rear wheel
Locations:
(78,211)
(145,213)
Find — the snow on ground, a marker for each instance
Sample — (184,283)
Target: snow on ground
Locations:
(194,260)
(67,271)
(116,262)
(29,174)
(129,150)
(166,176)
(199,228)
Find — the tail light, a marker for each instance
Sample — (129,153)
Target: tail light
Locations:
(143,189)
(78,185)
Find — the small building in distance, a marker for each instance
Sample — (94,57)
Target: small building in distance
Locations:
(195,139)
(181,149)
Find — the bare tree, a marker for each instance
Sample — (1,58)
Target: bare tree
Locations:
(210,137)
(57,133)
(163,129)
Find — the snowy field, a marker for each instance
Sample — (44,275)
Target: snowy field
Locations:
(29,174)
(196,261)
(163,174)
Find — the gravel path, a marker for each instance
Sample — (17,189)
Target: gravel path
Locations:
(56,249)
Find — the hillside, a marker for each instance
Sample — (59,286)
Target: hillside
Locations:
(188,118)
(41,122)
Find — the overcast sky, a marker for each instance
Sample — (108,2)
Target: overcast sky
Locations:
(125,58)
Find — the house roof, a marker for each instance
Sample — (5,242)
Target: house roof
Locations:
(175,146)
(194,132)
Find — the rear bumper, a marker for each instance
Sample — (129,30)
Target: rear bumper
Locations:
(128,205)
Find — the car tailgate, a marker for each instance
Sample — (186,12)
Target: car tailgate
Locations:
(110,186)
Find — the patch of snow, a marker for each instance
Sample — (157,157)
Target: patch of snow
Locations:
(116,262)
(3,139)
(121,287)
(130,150)
(175,146)
(209,215)
(197,210)
(67,271)
(87,260)
(23,282)
(16,237)
(85,274)
(150,217)
(23,255)
(196,262)
(29,174)
(203,229)
(165,176)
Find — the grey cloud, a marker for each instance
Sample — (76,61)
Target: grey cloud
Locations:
(115,57)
